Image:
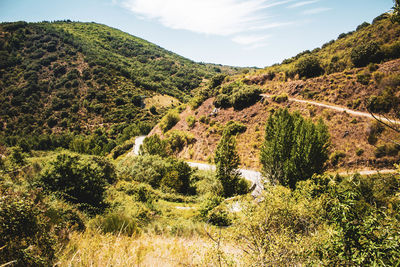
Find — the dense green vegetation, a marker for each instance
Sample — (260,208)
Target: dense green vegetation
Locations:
(71,89)
(60,81)
(294,148)
(369,43)
(227,163)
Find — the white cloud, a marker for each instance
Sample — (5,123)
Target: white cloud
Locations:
(249,39)
(316,11)
(303,3)
(217,17)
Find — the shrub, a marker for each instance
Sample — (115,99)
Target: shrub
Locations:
(280,98)
(392,51)
(373,131)
(217,80)
(359,151)
(27,235)
(362,26)
(121,149)
(245,96)
(336,156)
(153,145)
(364,54)
(384,102)
(156,171)
(386,150)
(115,223)
(191,121)
(364,78)
(208,204)
(204,119)
(294,148)
(222,101)
(308,66)
(219,217)
(169,120)
(153,110)
(82,181)
(177,140)
(234,127)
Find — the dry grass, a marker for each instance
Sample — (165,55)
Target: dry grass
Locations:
(161,101)
(94,249)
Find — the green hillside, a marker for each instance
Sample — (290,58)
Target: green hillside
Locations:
(368,43)
(72,77)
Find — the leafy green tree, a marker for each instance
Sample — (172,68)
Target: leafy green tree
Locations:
(153,145)
(79,180)
(294,148)
(309,66)
(227,163)
(364,54)
(396,11)
(169,120)
(27,234)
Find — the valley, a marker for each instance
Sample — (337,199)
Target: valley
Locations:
(117,152)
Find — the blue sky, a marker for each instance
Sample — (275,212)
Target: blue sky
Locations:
(231,32)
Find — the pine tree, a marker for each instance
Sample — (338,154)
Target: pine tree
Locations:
(294,148)
(227,163)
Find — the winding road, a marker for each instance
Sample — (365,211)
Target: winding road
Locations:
(254,176)
(340,109)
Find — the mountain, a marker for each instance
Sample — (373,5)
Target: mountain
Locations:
(72,77)
(338,82)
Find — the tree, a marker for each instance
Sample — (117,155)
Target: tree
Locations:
(153,145)
(79,180)
(227,162)
(366,53)
(309,66)
(396,11)
(294,148)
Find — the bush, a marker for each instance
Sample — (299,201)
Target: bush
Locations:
(115,223)
(364,78)
(27,235)
(359,151)
(245,96)
(222,101)
(294,148)
(82,181)
(280,98)
(177,140)
(308,67)
(335,157)
(373,131)
(219,217)
(209,204)
(387,150)
(153,145)
(191,121)
(384,102)
(364,54)
(156,171)
(169,120)
(234,127)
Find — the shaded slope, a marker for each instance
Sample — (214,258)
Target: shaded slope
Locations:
(73,77)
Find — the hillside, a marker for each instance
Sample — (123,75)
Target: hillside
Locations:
(357,141)
(72,77)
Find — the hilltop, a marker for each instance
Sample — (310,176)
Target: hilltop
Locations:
(358,142)
(74,77)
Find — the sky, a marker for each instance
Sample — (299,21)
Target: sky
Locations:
(243,33)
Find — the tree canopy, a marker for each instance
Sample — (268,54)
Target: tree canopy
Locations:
(294,148)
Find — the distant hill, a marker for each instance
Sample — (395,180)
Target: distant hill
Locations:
(72,76)
(340,79)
